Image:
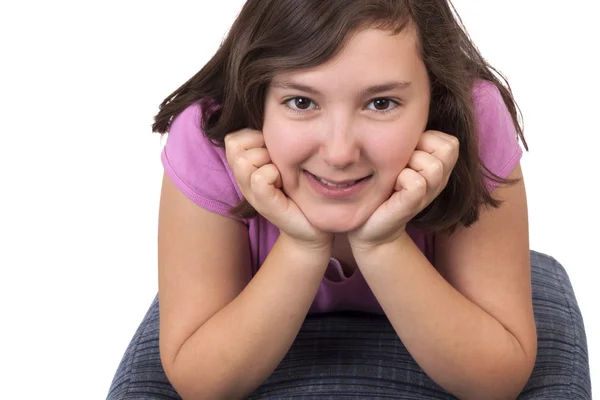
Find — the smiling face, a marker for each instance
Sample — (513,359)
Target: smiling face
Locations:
(341,133)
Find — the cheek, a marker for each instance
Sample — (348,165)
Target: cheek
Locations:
(270,126)
(275,137)
(286,147)
(289,142)
(393,150)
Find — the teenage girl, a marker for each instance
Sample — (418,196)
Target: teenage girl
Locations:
(344,156)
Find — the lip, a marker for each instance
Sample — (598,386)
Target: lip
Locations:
(337,192)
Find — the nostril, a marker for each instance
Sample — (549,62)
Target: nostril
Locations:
(338,165)
(342,156)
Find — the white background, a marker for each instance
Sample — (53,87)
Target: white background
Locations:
(80,169)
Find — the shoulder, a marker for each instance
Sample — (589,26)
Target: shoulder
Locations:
(487,100)
(497,135)
(197,166)
(187,124)
(188,146)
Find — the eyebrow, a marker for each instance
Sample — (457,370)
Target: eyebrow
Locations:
(371,90)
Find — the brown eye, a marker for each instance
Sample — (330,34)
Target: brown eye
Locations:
(382,105)
(301,103)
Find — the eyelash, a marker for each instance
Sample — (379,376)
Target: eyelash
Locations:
(285,103)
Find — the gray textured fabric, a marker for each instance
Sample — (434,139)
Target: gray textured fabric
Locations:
(359,356)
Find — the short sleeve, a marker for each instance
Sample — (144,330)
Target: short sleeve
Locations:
(197,167)
(498,144)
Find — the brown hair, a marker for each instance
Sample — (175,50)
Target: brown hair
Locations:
(274,36)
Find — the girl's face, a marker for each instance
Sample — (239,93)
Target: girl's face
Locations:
(341,133)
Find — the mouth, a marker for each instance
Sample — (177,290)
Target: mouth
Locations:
(338,184)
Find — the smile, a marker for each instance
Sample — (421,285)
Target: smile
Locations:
(332,184)
(337,189)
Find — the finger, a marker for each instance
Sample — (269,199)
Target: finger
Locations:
(239,141)
(431,168)
(257,157)
(411,188)
(442,135)
(441,145)
(265,185)
(246,164)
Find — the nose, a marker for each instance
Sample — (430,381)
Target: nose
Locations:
(340,146)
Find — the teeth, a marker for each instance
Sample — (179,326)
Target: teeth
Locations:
(333,184)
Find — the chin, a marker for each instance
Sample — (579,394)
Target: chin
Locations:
(335,223)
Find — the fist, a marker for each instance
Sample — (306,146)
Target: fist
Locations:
(259,181)
(417,185)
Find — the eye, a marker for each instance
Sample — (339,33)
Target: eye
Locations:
(382,105)
(300,104)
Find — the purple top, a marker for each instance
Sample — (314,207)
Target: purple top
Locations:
(200,171)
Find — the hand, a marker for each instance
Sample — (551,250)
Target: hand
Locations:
(260,182)
(417,185)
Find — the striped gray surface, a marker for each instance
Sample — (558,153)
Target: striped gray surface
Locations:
(352,355)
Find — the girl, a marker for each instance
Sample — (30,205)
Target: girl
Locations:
(344,156)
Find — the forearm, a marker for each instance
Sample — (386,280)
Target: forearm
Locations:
(459,345)
(240,346)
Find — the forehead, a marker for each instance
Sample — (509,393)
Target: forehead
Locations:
(368,55)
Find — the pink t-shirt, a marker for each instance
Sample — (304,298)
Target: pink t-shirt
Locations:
(200,171)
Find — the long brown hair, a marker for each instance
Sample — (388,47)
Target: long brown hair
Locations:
(274,36)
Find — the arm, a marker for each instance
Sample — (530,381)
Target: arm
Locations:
(222,334)
(469,324)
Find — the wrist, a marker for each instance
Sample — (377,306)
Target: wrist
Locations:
(313,251)
(362,251)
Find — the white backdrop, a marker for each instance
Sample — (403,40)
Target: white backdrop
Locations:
(80,169)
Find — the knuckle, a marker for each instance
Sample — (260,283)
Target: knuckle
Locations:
(269,169)
(448,149)
(420,183)
(239,163)
(228,139)
(263,154)
(454,143)
(256,179)
(437,166)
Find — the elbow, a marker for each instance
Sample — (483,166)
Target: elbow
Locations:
(201,383)
(520,370)
(524,369)
(188,387)
(198,387)
(506,375)
(501,381)
(185,387)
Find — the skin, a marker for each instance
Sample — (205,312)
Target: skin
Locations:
(335,131)
(340,122)
(478,338)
